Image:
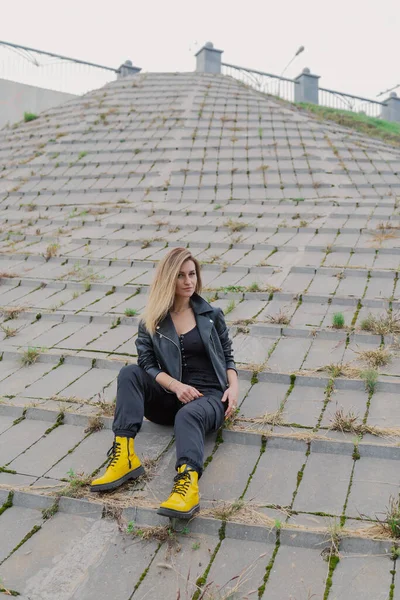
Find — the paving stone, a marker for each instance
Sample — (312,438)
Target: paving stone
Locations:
(38,459)
(56,559)
(374,481)
(87,457)
(297,573)
(304,405)
(18,438)
(263,398)
(55,381)
(275,479)
(15,523)
(239,564)
(174,573)
(17,382)
(324,484)
(289,354)
(91,383)
(57,333)
(355,576)
(354,401)
(226,476)
(5,423)
(324,352)
(250,349)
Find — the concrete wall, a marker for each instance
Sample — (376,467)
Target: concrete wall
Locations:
(17,98)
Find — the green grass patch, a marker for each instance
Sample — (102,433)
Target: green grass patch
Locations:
(371,126)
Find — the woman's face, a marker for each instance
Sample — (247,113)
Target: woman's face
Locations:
(187,279)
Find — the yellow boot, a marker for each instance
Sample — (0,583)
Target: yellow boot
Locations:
(183,502)
(124,465)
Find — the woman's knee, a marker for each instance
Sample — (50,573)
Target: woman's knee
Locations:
(130,372)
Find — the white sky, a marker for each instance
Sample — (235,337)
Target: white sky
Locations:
(352,44)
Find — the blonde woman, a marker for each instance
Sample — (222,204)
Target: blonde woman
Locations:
(185,376)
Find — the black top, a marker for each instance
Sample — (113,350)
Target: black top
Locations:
(197,369)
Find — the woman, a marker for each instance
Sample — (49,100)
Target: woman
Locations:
(185,376)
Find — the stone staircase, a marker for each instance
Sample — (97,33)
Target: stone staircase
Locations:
(296,223)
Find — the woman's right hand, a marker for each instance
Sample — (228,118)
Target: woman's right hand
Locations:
(185,393)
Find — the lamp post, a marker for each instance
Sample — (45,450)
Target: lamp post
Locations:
(299,51)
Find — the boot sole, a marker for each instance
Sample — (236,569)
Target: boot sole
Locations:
(103,487)
(177,514)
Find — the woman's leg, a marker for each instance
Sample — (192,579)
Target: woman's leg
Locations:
(192,423)
(137,395)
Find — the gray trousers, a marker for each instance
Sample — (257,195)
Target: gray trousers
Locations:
(139,395)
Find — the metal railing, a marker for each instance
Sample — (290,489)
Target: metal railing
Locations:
(342,101)
(53,71)
(263,82)
(283,87)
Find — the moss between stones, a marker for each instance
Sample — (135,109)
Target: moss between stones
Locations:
(8,503)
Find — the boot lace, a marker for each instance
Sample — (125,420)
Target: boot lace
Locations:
(114,452)
(182,483)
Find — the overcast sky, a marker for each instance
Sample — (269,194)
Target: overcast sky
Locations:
(352,44)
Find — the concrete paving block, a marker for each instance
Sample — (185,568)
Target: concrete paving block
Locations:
(55,561)
(15,523)
(324,484)
(226,476)
(374,481)
(324,352)
(289,354)
(91,383)
(87,457)
(175,573)
(275,478)
(19,437)
(55,381)
(83,337)
(358,577)
(5,423)
(15,481)
(57,333)
(246,310)
(38,459)
(239,566)
(113,338)
(309,314)
(250,349)
(263,398)
(297,573)
(25,376)
(7,368)
(354,401)
(304,405)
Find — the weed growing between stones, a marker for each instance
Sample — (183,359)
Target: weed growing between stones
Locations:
(8,331)
(28,116)
(391,524)
(130,312)
(77,482)
(51,510)
(376,358)
(384,324)
(7,591)
(7,275)
(95,424)
(370,377)
(280,318)
(8,503)
(51,251)
(234,226)
(30,356)
(12,312)
(338,320)
(230,307)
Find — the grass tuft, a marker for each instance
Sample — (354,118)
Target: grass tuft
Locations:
(30,356)
(338,320)
(384,324)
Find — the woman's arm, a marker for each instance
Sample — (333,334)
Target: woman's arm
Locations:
(225,340)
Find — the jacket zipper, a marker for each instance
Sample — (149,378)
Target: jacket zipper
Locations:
(180,356)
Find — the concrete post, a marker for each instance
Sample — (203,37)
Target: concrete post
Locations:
(127,69)
(306,87)
(391,112)
(208,59)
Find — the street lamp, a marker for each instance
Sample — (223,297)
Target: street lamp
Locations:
(299,51)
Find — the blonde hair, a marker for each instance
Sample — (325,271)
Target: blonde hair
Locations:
(162,289)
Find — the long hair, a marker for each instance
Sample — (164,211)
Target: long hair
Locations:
(162,289)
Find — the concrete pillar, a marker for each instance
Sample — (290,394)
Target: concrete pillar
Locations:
(127,69)
(391,112)
(208,59)
(306,87)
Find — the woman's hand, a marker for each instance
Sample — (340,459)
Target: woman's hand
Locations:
(185,393)
(231,395)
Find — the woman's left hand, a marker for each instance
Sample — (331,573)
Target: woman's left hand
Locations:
(230,395)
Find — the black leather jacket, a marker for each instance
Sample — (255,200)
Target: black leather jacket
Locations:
(161,352)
